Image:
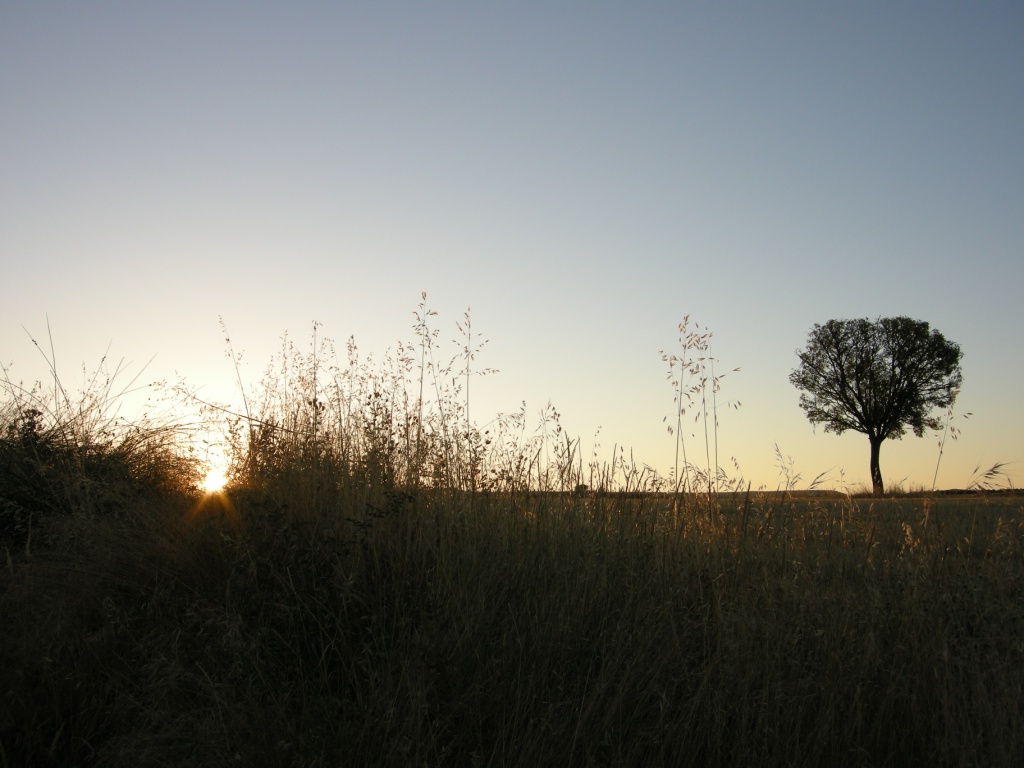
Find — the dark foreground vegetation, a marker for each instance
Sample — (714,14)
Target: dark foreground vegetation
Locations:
(377,587)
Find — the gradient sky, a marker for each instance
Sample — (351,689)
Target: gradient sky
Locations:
(582,175)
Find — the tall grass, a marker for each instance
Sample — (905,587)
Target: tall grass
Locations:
(691,372)
(385,583)
(74,453)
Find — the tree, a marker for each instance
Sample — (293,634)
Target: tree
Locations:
(878,378)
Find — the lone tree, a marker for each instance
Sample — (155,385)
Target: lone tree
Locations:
(877,378)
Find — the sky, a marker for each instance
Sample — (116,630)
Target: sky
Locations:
(580,175)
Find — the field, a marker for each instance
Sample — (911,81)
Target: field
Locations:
(382,584)
(461,629)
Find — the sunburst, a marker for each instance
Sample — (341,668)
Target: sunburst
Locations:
(215,480)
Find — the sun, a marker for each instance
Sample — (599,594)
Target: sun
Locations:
(215,480)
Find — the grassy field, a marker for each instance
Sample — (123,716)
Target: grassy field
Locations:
(382,584)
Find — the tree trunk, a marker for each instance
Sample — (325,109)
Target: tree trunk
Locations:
(876,473)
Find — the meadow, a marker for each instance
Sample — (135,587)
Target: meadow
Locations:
(383,583)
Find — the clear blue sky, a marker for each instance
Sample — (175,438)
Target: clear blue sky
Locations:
(582,175)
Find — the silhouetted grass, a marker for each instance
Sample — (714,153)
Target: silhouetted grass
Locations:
(384,584)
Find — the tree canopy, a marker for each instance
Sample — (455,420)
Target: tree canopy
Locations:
(877,377)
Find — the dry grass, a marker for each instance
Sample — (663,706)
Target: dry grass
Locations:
(384,584)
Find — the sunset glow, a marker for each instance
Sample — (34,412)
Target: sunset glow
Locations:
(215,480)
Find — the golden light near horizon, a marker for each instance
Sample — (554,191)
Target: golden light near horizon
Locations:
(211,441)
(215,480)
